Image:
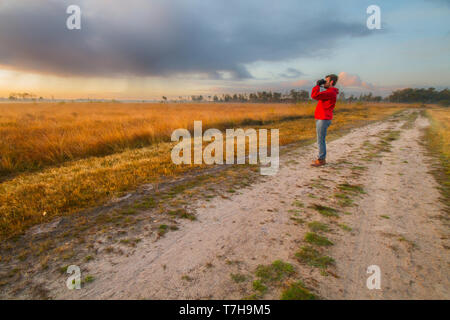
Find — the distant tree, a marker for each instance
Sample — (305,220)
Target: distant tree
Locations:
(296,96)
(352,98)
(262,96)
(276,96)
(197,98)
(242,97)
(423,95)
(21,95)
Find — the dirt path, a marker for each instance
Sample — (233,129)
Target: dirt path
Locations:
(396,227)
(388,216)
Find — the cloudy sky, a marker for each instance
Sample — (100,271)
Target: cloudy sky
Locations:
(143,49)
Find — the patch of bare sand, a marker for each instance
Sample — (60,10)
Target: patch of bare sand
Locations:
(397,227)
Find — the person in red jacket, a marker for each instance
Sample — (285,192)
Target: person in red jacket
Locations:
(324,113)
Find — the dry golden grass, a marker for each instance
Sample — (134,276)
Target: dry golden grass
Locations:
(35,197)
(438,139)
(440,125)
(36,135)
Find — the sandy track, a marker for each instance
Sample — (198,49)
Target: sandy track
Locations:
(408,247)
(255,227)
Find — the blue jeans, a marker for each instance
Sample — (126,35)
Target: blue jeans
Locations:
(321,129)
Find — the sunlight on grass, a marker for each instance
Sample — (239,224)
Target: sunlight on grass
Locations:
(65,145)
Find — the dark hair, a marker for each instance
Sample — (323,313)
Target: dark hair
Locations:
(333,78)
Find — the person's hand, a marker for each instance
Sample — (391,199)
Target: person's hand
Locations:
(320,82)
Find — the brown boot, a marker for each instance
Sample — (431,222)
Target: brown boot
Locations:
(318,163)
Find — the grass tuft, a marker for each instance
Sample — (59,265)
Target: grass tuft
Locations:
(258,285)
(312,257)
(182,213)
(326,211)
(354,189)
(297,291)
(274,272)
(345,227)
(238,277)
(318,226)
(316,239)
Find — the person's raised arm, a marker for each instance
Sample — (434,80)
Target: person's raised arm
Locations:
(324,95)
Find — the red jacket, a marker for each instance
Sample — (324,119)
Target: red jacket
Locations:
(327,101)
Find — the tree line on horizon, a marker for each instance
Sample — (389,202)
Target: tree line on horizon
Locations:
(408,95)
(23,96)
(430,95)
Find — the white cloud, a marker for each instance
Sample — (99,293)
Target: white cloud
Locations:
(353,81)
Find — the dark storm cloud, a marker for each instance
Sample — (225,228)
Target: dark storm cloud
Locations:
(151,38)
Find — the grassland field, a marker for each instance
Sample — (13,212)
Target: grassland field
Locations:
(59,158)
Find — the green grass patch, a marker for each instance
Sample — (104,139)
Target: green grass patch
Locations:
(316,239)
(182,213)
(259,286)
(344,199)
(312,257)
(297,291)
(238,277)
(131,242)
(345,227)
(146,204)
(297,220)
(391,136)
(88,279)
(63,269)
(162,229)
(326,211)
(354,189)
(318,226)
(128,211)
(274,272)
(298,204)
